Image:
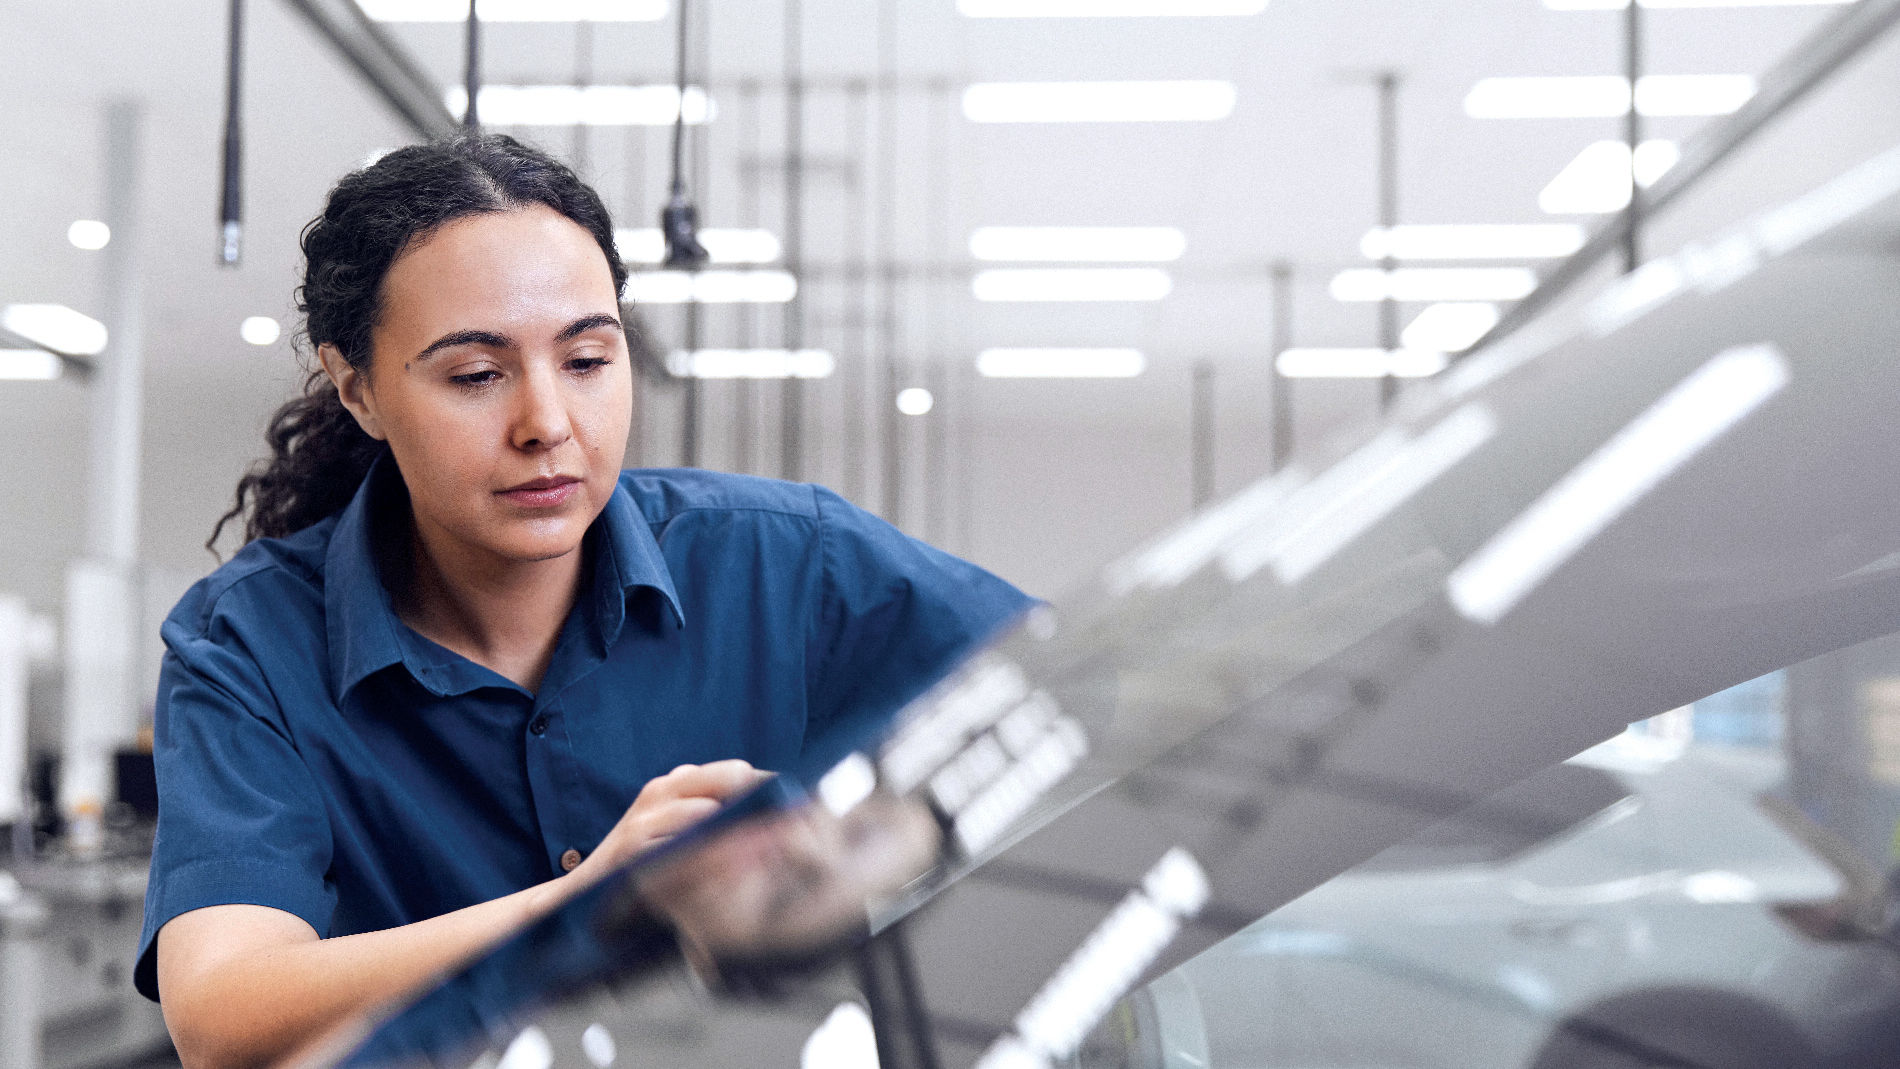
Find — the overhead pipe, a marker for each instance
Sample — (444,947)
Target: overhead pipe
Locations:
(389,71)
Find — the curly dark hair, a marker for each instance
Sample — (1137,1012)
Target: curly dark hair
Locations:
(318,453)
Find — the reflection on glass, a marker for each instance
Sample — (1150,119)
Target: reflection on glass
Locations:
(789,884)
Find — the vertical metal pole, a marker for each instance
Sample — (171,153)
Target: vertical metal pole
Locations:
(101,587)
(1388,83)
(936,438)
(884,409)
(583,77)
(751,135)
(1201,435)
(792,404)
(231,205)
(689,393)
(1281,400)
(899,1018)
(1633,134)
(472,67)
(854,358)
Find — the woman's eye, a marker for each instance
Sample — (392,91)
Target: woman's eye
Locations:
(585,364)
(476,378)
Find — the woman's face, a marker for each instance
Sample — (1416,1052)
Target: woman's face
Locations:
(501,382)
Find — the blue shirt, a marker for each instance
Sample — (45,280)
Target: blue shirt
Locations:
(318,756)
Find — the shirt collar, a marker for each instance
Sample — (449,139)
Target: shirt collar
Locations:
(365,635)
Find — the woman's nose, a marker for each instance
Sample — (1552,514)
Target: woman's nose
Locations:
(541,419)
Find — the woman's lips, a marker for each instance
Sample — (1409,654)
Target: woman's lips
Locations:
(542,493)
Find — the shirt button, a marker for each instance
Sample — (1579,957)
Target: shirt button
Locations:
(570,860)
(539,725)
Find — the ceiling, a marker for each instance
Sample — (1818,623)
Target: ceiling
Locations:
(1289,176)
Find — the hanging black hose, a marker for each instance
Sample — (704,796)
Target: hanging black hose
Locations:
(472,68)
(231,206)
(679,220)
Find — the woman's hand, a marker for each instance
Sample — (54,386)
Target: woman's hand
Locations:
(666,806)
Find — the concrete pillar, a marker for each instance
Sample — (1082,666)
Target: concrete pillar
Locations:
(101,589)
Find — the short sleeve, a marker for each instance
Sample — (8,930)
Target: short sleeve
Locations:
(241,819)
(894,616)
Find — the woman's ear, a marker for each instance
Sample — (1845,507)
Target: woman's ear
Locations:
(352,387)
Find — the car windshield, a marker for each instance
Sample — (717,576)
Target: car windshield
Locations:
(1133,832)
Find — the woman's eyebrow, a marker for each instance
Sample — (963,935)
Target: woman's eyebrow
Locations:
(586,323)
(467,337)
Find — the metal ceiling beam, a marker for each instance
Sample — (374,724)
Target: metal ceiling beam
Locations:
(1811,63)
(384,66)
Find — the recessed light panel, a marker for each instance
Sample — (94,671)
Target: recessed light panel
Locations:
(1450,326)
(1358,363)
(751,364)
(646,245)
(1597,181)
(1101,9)
(1602,96)
(1484,241)
(28,365)
(260,330)
(582,105)
(915,401)
(1060,363)
(1100,244)
(1618,5)
(711,287)
(89,234)
(1071,284)
(515,10)
(57,327)
(1434,284)
(1064,102)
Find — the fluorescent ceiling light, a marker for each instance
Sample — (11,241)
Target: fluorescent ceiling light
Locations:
(55,326)
(515,10)
(646,245)
(1359,363)
(1480,241)
(1060,363)
(1450,326)
(1186,101)
(1100,9)
(582,105)
(1125,244)
(751,364)
(711,287)
(1578,507)
(28,364)
(915,401)
(1434,284)
(1607,96)
(1071,284)
(1598,180)
(260,330)
(1619,5)
(88,234)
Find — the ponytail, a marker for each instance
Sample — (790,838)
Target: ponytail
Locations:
(318,456)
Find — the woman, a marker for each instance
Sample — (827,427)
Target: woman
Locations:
(465,665)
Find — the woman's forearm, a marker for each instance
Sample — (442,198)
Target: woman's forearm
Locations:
(248,985)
